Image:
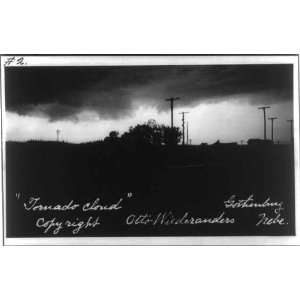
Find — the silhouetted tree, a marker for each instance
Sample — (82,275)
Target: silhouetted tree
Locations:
(148,133)
(171,136)
(113,136)
(152,133)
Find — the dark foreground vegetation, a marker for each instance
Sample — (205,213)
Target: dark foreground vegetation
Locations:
(161,176)
(195,179)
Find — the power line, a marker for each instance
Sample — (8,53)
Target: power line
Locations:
(272,127)
(183,133)
(187,132)
(264,111)
(171,100)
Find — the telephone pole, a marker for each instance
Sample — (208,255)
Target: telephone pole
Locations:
(171,100)
(187,132)
(264,111)
(292,127)
(272,127)
(57,135)
(183,135)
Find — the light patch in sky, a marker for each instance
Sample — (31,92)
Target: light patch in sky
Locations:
(227,121)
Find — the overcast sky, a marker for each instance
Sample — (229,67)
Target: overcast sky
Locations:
(86,103)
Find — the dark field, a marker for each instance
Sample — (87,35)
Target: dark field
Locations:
(194,179)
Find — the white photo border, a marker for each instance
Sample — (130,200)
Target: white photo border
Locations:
(135,59)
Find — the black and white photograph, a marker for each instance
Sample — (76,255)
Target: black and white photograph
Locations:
(145,147)
(149,150)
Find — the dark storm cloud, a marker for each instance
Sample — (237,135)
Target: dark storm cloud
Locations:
(112,92)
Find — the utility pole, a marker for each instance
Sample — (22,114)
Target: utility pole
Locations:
(187,132)
(272,126)
(57,135)
(264,111)
(292,127)
(183,135)
(171,100)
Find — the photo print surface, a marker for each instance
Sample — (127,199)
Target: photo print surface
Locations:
(149,150)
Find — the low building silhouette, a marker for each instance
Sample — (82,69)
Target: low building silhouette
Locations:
(259,142)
